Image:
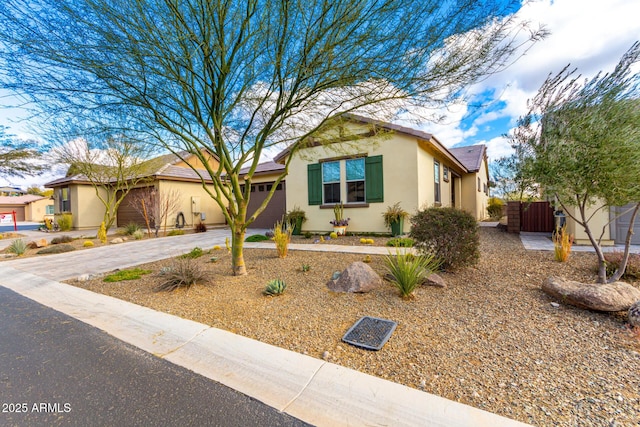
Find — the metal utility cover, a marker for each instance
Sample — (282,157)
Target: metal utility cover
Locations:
(370,333)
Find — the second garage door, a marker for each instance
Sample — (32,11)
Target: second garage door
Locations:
(276,209)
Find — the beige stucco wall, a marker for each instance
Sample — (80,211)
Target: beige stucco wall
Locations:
(473,201)
(400,173)
(187,190)
(88,210)
(36,211)
(599,220)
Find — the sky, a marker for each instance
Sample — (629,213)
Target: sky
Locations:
(591,35)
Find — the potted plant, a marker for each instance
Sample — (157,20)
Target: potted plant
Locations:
(295,218)
(394,218)
(339,222)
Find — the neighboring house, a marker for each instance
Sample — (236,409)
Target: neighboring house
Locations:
(370,165)
(76,195)
(11,191)
(28,207)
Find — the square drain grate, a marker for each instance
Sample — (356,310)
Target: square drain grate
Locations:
(370,333)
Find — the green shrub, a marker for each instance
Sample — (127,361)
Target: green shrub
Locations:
(613,260)
(275,287)
(183,273)
(400,242)
(256,238)
(65,221)
(18,247)
(61,239)
(450,234)
(57,249)
(130,274)
(200,228)
(131,228)
(87,243)
(494,208)
(195,253)
(175,232)
(138,234)
(307,234)
(407,271)
(333,235)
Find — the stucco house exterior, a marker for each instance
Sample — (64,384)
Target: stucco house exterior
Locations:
(369,165)
(28,207)
(75,194)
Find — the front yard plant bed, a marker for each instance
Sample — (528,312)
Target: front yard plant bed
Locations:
(490,339)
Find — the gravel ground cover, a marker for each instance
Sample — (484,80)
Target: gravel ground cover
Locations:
(490,339)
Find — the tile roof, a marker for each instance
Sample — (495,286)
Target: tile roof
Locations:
(20,200)
(470,156)
(264,168)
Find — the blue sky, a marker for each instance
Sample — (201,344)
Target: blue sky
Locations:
(592,35)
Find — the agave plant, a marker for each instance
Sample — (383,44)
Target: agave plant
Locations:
(18,247)
(275,287)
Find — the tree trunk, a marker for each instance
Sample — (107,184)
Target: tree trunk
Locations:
(237,256)
(625,258)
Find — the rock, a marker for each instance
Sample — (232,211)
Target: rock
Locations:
(634,314)
(84,277)
(555,305)
(326,355)
(358,277)
(616,296)
(117,240)
(42,243)
(434,280)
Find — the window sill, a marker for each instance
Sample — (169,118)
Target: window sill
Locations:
(346,206)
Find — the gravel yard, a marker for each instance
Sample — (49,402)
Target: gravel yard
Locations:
(491,339)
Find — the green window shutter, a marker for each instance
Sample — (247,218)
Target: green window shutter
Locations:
(374,183)
(314,183)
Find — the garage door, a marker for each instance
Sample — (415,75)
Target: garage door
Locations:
(622,225)
(276,208)
(19,211)
(129,212)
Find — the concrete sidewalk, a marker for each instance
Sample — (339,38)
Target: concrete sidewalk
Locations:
(542,242)
(309,389)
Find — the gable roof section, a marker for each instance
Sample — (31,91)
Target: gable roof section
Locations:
(264,168)
(470,156)
(160,167)
(20,200)
(471,162)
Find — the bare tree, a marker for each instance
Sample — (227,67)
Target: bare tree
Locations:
(243,77)
(113,168)
(156,206)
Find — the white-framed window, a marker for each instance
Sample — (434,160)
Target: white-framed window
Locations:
(436,180)
(49,210)
(355,180)
(65,199)
(331,182)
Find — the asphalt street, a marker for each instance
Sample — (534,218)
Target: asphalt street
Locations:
(58,371)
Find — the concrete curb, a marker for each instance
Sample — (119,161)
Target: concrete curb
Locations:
(310,389)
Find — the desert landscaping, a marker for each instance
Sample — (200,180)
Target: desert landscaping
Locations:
(491,338)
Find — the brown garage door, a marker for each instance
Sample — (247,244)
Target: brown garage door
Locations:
(128,212)
(276,208)
(20,216)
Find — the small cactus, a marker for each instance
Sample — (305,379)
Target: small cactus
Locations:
(275,287)
(363,240)
(306,267)
(333,235)
(87,243)
(367,259)
(102,233)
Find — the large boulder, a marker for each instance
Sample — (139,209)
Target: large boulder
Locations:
(434,280)
(616,296)
(634,314)
(358,277)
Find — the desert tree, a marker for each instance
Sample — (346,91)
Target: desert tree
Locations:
(244,78)
(583,145)
(113,167)
(19,157)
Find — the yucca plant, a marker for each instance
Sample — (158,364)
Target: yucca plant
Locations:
(281,237)
(18,247)
(562,242)
(131,228)
(275,287)
(407,271)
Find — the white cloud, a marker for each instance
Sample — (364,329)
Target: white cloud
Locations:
(592,35)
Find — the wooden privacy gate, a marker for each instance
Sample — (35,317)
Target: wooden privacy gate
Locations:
(532,217)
